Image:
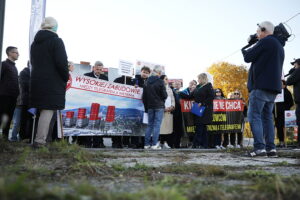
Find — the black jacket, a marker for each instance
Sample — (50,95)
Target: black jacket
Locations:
(267,58)
(154,93)
(205,96)
(49,73)
(138,80)
(121,80)
(294,79)
(91,74)
(24,80)
(280,107)
(9,85)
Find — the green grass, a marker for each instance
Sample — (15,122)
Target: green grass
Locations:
(62,171)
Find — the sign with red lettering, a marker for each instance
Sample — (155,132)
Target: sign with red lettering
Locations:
(227,116)
(99,107)
(219,105)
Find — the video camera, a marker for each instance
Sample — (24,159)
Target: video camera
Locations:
(279,31)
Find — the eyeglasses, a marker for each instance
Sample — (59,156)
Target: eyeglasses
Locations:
(218,91)
(236,93)
(15,52)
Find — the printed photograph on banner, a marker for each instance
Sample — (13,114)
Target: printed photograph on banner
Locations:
(98,107)
(140,64)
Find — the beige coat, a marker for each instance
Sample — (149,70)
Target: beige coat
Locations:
(167,122)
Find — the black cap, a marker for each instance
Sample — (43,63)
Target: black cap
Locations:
(296,61)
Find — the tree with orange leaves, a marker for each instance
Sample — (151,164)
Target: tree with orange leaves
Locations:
(229,78)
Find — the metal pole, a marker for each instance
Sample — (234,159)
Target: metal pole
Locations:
(2,16)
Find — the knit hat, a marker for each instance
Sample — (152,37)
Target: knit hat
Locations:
(49,23)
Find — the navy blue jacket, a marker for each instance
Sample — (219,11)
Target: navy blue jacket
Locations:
(267,58)
(154,93)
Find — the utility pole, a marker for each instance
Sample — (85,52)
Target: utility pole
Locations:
(2,16)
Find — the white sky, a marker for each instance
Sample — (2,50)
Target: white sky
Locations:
(186,36)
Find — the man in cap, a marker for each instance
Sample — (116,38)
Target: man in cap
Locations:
(264,83)
(294,80)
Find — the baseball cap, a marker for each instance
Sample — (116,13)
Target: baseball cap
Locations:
(296,61)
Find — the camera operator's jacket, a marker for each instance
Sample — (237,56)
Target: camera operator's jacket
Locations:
(267,57)
(294,79)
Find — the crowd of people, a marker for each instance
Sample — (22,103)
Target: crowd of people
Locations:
(42,86)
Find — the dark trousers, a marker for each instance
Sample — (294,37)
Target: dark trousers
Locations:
(227,137)
(7,107)
(26,123)
(217,139)
(201,136)
(165,138)
(178,129)
(280,133)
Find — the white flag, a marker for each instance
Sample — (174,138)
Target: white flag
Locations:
(38,8)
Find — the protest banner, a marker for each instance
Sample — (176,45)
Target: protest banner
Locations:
(227,116)
(98,107)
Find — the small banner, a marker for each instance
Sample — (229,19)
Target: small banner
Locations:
(290,118)
(227,116)
(126,68)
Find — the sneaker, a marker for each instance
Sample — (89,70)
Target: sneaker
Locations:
(147,147)
(237,146)
(218,147)
(229,146)
(221,147)
(272,153)
(157,146)
(256,153)
(166,146)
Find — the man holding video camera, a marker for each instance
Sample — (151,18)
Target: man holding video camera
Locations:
(294,80)
(264,83)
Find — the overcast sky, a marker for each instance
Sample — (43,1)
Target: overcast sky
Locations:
(186,36)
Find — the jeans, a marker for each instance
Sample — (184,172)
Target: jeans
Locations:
(16,123)
(155,117)
(260,116)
